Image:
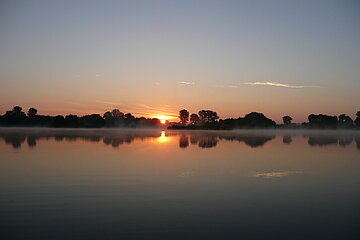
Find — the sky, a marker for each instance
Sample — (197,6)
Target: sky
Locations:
(154,58)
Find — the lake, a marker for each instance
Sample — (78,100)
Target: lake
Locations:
(160,184)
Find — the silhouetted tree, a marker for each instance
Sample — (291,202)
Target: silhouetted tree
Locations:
(58,121)
(108,116)
(130,120)
(18,111)
(129,116)
(32,112)
(117,114)
(287,120)
(91,121)
(117,118)
(256,120)
(194,119)
(345,121)
(357,120)
(208,116)
(184,116)
(14,117)
(322,121)
(206,119)
(72,121)
(109,119)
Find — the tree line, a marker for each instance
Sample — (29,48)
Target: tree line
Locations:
(204,119)
(114,118)
(208,119)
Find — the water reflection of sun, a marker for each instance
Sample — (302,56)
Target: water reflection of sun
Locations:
(163,138)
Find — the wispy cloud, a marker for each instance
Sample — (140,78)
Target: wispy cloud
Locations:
(149,111)
(277,84)
(138,109)
(186,174)
(187,83)
(276,174)
(144,106)
(108,102)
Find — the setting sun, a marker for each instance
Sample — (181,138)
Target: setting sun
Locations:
(163,118)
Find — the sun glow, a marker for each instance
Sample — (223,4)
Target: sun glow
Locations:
(163,118)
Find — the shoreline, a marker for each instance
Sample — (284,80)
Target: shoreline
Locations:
(269,130)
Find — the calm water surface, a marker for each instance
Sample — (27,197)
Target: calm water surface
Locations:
(132,184)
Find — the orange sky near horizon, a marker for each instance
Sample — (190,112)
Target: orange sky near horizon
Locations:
(271,107)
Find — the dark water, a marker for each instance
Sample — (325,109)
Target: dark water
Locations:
(121,184)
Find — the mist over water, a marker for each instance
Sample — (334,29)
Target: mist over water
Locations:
(160,184)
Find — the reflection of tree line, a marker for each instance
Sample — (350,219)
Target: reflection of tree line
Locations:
(207,140)
(16,139)
(202,140)
(341,140)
